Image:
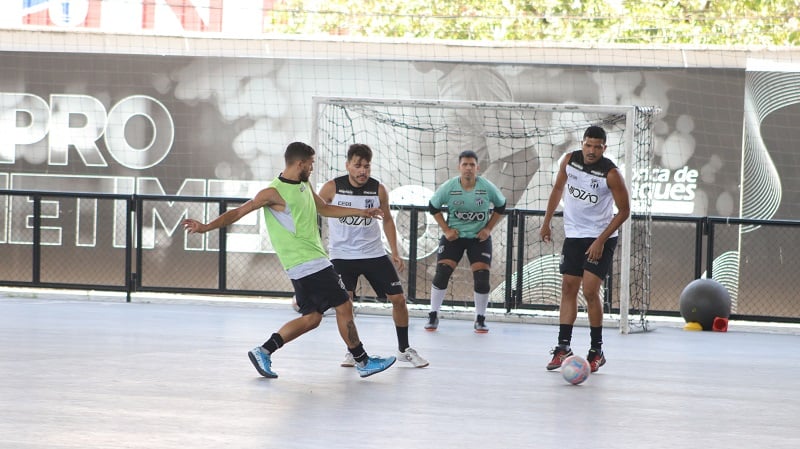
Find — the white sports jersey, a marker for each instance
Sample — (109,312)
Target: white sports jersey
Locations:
(588,202)
(355,237)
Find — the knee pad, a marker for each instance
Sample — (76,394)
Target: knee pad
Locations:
(442,276)
(481,278)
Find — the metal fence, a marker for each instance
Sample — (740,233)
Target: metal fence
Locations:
(134,243)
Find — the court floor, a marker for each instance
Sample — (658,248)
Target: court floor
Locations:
(107,374)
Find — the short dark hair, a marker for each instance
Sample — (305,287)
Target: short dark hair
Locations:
(361,151)
(595,132)
(468,154)
(297,151)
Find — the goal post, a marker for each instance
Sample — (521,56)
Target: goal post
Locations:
(417,142)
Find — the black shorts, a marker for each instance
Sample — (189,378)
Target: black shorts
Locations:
(379,272)
(573,257)
(320,291)
(477,251)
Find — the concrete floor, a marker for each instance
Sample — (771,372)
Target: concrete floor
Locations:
(106,374)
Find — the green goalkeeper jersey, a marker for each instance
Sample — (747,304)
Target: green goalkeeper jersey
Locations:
(468,211)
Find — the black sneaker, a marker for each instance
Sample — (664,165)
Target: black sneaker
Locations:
(433,322)
(596,359)
(480,325)
(560,353)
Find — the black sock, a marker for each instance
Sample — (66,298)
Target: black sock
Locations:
(274,343)
(402,338)
(596,334)
(564,334)
(359,354)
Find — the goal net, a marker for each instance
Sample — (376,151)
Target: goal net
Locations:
(416,145)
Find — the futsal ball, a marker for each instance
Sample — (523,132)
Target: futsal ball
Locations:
(575,369)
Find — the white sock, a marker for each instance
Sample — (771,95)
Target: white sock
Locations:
(481,302)
(437,298)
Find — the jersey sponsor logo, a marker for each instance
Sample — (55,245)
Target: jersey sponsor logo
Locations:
(369,192)
(355,221)
(347,191)
(458,203)
(480,192)
(344,203)
(597,173)
(582,195)
(455,192)
(576,165)
(470,216)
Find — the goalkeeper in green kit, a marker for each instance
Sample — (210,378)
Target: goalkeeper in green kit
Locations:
(474,207)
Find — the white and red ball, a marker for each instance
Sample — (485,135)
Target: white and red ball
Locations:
(575,369)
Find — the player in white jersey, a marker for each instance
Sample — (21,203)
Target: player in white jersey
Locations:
(590,185)
(356,249)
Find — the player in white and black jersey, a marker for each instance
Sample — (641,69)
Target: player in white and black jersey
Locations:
(590,186)
(355,245)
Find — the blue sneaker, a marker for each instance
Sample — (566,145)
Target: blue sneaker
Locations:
(262,361)
(374,365)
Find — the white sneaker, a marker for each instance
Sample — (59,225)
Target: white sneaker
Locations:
(411,356)
(348,361)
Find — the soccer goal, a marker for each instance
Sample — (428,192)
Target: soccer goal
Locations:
(416,145)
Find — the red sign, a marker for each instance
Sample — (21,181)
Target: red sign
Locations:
(166,16)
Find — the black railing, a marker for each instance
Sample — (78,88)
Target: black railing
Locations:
(134,243)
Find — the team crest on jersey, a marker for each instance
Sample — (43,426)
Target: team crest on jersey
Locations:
(594,183)
(479,201)
(369,203)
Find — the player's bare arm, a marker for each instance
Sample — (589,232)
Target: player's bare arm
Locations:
(333,211)
(449,233)
(268,197)
(328,191)
(389,229)
(622,200)
(486,232)
(555,198)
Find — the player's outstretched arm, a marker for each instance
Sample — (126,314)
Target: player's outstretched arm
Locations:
(268,197)
(330,210)
(328,191)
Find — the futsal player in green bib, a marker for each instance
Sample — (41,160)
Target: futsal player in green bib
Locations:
(290,206)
